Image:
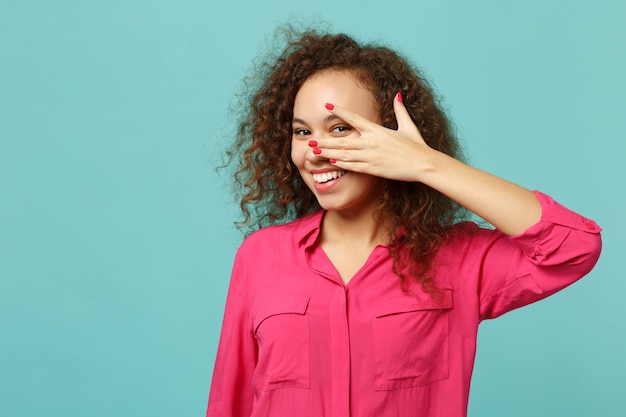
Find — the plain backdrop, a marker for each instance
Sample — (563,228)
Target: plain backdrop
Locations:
(117,236)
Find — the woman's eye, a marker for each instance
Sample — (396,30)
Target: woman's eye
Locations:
(301,132)
(341,129)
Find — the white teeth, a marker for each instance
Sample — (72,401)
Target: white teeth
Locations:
(327,176)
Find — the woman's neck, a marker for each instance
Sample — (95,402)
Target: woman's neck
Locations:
(357,229)
(348,239)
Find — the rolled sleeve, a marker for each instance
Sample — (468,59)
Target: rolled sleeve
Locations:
(559,249)
(560,235)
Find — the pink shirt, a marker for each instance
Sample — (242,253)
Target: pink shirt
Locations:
(297,342)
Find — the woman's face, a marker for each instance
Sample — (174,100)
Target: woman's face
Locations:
(335,189)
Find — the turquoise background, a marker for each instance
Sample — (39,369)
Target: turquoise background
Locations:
(116,235)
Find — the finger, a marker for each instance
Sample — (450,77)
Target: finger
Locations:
(341,155)
(339,143)
(405,123)
(358,122)
(354,166)
(358,166)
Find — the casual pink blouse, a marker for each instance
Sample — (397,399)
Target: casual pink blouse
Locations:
(297,342)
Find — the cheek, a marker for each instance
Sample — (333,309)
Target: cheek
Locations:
(298,153)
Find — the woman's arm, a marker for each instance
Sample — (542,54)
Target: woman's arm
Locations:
(509,207)
(231,389)
(514,271)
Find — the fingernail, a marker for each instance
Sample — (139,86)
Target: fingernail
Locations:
(333,161)
(329,106)
(399,96)
(317,151)
(312,143)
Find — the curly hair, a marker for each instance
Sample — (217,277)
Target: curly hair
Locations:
(417,217)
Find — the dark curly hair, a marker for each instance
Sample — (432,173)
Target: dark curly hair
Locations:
(417,218)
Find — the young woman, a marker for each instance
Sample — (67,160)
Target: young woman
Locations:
(363,297)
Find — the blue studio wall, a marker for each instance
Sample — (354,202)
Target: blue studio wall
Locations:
(117,237)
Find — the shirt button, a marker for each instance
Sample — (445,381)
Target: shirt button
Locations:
(590,225)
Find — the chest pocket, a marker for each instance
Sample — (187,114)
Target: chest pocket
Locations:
(281,329)
(411,341)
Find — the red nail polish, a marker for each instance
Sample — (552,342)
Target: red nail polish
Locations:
(333,161)
(317,151)
(312,143)
(399,96)
(329,106)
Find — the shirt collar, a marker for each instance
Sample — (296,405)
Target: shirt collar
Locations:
(308,228)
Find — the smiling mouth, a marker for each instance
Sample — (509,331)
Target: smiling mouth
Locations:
(328,176)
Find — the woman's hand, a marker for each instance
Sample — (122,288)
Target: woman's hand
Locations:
(393,154)
(404,155)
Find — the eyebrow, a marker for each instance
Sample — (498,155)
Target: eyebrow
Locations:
(327,119)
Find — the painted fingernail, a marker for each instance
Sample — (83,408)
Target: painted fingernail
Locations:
(317,151)
(312,143)
(399,97)
(329,106)
(333,161)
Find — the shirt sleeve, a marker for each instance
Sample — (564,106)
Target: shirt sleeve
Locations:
(231,388)
(555,252)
